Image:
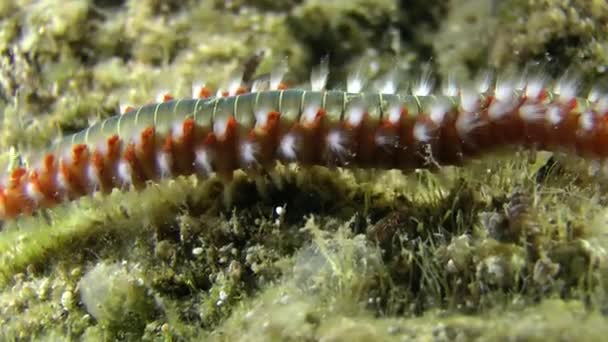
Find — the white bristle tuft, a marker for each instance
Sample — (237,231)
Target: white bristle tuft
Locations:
(567,88)
(355,81)
(177,130)
(531,112)
(499,109)
(125,172)
(336,142)
(33,192)
(219,127)
(388,83)
(93,177)
(438,111)
(163,163)
(553,115)
(504,90)
(277,74)
(450,88)
(586,121)
(535,87)
(123,108)
(203,160)
(384,139)
(355,114)
(261,117)
(483,84)
(394,114)
(235,81)
(466,123)
(421,132)
(602,105)
(249,152)
(260,85)
(197,88)
(425,84)
(163,96)
(309,114)
(595,94)
(469,100)
(288,146)
(318,76)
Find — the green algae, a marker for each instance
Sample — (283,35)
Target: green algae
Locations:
(509,247)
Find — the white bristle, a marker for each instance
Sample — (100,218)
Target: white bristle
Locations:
(421,132)
(602,105)
(484,82)
(595,94)
(163,163)
(219,127)
(318,76)
(469,100)
(424,85)
(383,139)
(93,176)
(534,87)
(310,113)
(504,90)
(438,111)
(162,96)
(586,121)
(553,115)
(277,74)
(249,152)
(123,107)
(388,83)
(260,85)
(531,112)
(355,114)
(355,81)
(394,114)
(566,88)
(235,82)
(197,87)
(336,142)
(498,109)
(177,130)
(261,117)
(450,88)
(466,123)
(33,192)
(287,147)
(125,172)
(203,160)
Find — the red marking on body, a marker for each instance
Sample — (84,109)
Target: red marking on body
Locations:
(49,162)
(167,97)
(127,109)
(204,93)
(147,139)
(79,154)
(241,90)
(210,139)
(113,144)
(16,177)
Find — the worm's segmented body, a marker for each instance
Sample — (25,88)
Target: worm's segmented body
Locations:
(312,127)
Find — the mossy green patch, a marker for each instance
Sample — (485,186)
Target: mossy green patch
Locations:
(512,246)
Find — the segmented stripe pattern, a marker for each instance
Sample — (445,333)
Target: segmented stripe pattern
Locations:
(252,130)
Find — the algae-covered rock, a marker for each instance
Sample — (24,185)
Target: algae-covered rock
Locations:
(117,297)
